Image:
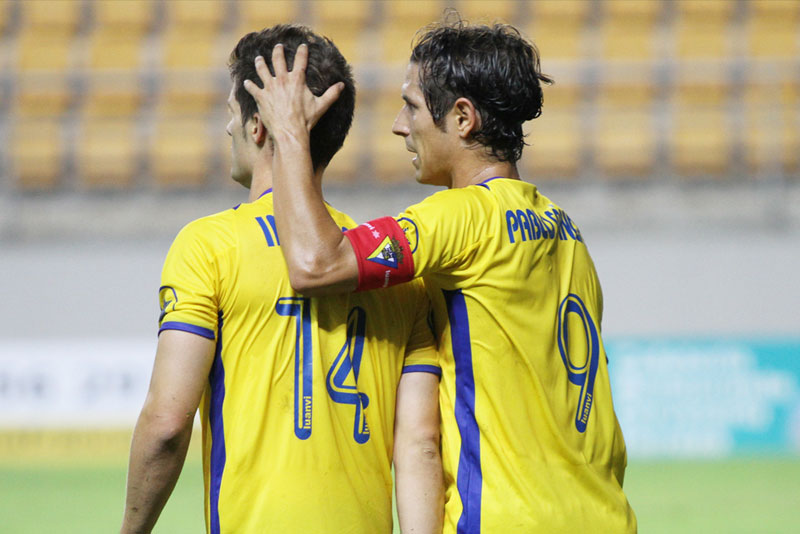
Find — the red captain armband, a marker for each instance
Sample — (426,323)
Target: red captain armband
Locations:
(382,252)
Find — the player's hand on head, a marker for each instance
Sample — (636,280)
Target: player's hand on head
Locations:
(285,101)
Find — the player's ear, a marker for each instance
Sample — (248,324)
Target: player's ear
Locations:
(257,130)
(467,118)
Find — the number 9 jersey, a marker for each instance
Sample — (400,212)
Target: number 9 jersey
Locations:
(298,414)
(530,440)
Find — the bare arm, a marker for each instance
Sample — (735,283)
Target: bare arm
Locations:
(162,433)
(320,259)
(417,461)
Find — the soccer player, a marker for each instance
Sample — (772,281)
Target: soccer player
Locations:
(297,395)
(530,440)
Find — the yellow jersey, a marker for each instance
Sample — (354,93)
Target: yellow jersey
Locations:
(530,440)
(298,414)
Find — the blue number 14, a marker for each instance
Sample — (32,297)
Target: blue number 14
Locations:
(341,387)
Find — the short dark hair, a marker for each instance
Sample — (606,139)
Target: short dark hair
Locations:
(326,66)
(494,67)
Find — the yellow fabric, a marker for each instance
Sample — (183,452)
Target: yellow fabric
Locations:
(291,460)
(503,266)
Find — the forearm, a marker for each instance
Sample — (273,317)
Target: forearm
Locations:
(317,253)
(419,486)
(156,460)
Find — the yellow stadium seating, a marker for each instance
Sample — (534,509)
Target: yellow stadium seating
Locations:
(207,15)
(624,137)
(51,16)
(391,162)
(107,153)
(191,92)
(189,48)
(772,127)
(37,154)
(117,94)
(255,15)
(772,29)
(483,12)
(345,23)
(347,165)
(703,29)
(5,15)
(109,49)
(42,94)
(44,62)
(558,28)
(129,17)
(555,138)
(180,151)
(701,142)
(44,51)
(628,29)
(400,21)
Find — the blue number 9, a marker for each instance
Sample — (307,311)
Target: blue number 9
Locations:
(580,375)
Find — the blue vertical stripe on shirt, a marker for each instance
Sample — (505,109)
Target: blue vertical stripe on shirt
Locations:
(470,478)
(217,462)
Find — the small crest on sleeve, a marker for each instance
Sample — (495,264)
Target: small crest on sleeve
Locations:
(389,253)
(407,224)
(167,298)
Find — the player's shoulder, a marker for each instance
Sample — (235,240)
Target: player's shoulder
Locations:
(214,229)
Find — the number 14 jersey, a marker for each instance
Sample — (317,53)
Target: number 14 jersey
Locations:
(530,440)
(298,415)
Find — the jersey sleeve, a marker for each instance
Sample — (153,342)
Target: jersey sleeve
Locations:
(421,354)
(188,296)
(435,235)
(441,230)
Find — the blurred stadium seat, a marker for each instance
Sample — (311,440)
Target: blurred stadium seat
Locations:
(38,154)
(399,22)
(624,137)
(207,16)
(772,127)
(703,29)
(253,17)
(480,11)
(559,28)
(107,153)
(345,23)
(772,27)
(702,139)
(51,16)
(391,162)
(629,28)
(180,151)
(345,167)
(556,149)
(130,17)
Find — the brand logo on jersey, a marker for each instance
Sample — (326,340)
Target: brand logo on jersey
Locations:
(407,224)
(167,297)
(388,253)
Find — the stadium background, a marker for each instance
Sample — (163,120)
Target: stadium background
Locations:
(672,136)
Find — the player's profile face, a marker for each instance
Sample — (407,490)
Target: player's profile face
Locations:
(241,167)
(423,138)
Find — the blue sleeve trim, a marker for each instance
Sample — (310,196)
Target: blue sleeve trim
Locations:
(186,327)
(423,369)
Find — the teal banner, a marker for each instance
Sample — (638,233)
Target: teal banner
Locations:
(707,397)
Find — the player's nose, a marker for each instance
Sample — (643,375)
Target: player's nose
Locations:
(400,127)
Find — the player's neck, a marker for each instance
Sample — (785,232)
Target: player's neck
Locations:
(479,170)
(262,179)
